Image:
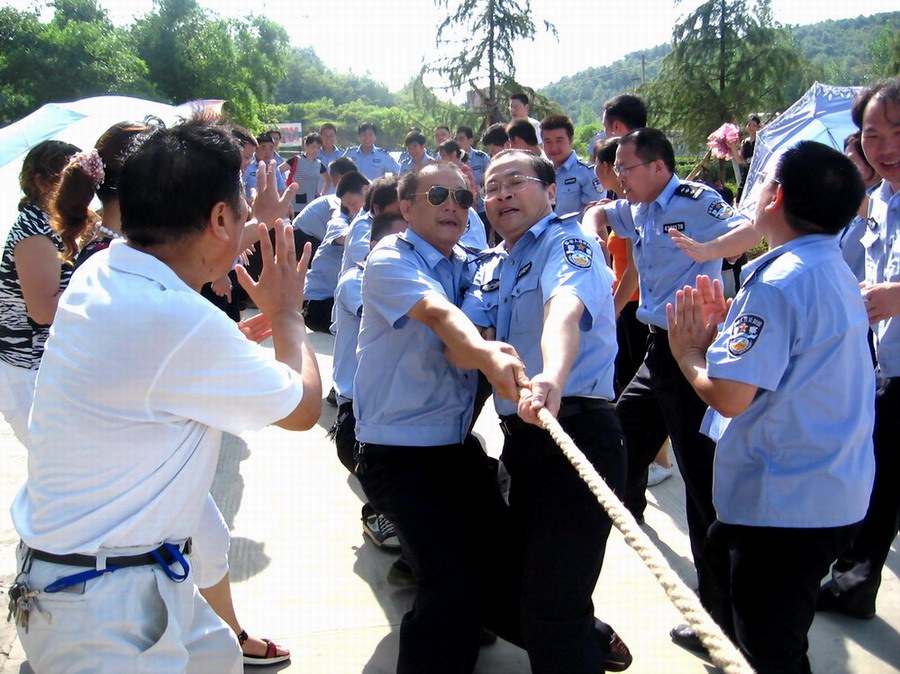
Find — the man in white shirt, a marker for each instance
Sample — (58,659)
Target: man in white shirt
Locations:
(129,410)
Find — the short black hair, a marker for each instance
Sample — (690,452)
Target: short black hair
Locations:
(445,128)
(367,126)
(451,147)
(854,140)
(382,224)
(341,165)
(822,188)
(542,168)
(467,130)
(628,109)
(605,151)
(415,137)
(522,128)
(327,125)
(755,118)
(264,138)
(523,98)
(886,90)
(382,193)
(551,122)
(312,138)
(171,181)
(495,135)
(409,182)
(351,182)
(650,145)
(244,136)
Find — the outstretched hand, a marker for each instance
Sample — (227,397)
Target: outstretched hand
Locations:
(268,204)
(697,251)
(280,285)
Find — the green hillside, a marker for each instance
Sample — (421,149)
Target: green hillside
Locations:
(841,52)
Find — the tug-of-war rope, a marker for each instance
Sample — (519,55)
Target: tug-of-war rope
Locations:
(722,651)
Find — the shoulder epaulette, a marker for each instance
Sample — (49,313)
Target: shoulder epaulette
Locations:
(566,217)
(687,190)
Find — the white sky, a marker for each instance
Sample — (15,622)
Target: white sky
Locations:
(389,39)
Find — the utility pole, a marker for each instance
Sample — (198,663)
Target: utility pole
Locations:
(643,68)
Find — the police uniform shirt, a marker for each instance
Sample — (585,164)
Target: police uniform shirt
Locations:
(691,208)
(373,164)
(851,247)
(478,161)
(347,313)
(475,237)
(882,244)
(407,164)
(406,392)
(510,290)
(356,245)
(313,219)
(576,186)
(326,158)
(326,266)
(801,454)
(250,179)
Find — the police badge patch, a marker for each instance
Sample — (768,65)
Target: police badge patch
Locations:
(578,253)
(744,333)
(720,210)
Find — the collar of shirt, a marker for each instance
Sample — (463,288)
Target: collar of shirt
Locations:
(132,261)
(431,255)
(568,163)
(535,231)
(661,201)
(751,269)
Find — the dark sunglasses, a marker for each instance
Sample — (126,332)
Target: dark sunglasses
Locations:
(438,195)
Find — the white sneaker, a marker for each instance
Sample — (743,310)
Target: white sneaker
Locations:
(658,473)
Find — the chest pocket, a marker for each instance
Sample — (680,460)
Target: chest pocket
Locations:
(528,307)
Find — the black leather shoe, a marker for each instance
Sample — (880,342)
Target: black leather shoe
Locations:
(619,657)
(686,637)
(855,602)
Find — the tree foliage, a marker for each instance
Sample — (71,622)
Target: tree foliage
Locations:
(486,57)
(308,79)
(728,60)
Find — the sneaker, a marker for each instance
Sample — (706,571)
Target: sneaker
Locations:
(380,529)
(658,473)
(401,574)
(619,657)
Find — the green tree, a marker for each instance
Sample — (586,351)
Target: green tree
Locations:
(728,59)
(486,52)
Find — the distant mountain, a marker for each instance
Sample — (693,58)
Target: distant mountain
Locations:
(840,49)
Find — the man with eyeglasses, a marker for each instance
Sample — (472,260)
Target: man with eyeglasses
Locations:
(413,396)
(546,291)
(664,208)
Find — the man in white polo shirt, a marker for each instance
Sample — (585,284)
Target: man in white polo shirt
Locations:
(142,375)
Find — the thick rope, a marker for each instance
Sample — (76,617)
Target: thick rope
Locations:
(722,651)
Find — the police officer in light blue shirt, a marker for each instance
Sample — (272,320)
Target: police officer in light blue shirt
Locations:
(415,155)
(265,151)
(663,209)
(790,368)
(547,292)
(851,247)
(371,161)
(856,576)
(576,183)
(382,198)
(412,397)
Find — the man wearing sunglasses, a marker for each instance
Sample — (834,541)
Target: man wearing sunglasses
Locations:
(547,291)
(413,397)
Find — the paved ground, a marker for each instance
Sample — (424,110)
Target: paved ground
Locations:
(305,576)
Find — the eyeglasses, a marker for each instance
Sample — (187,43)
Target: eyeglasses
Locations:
(624,170)
(763,176)
(438,195)
(516,183)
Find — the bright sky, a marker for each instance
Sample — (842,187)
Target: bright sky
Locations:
(389,39)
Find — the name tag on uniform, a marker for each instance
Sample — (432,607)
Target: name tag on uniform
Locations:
(490,286)
(524,270)
(376,161)
(571,181)
(677,226)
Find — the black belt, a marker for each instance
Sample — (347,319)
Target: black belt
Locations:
(89,561)
(570,406)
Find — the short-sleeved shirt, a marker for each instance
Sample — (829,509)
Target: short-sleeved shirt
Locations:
(882,244)
(21,339)
(510,290)
(356,245)
(478,161)
(139,378)
(801,454)
(347,315)
(691,208)
(373,164)
(406,392)
(250,179)
(852,250)
(407,164)
(306,174)
(576,186)
(326,158)
(326,263)
(313,219)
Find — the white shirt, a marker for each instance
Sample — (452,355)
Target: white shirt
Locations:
(139,374)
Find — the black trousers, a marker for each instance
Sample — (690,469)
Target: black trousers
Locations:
(870,548)
(344,435)
(657,403)
(564,530)
(631,337)
(762,588)
(455,532)
(317,314)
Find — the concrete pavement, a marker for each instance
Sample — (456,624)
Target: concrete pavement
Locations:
(304,575)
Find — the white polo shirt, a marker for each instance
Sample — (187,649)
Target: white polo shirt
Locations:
(139,375)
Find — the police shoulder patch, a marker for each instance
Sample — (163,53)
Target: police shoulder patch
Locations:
(578,253)
(720,210)
(744,333)
(690,191)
